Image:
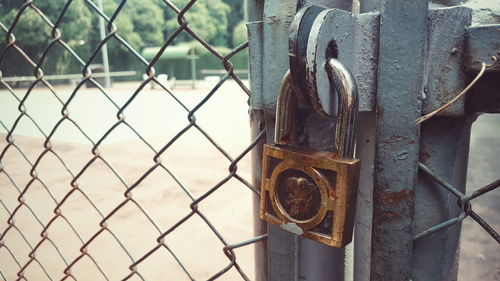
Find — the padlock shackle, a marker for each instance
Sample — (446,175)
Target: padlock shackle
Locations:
(286,110)
(347,97)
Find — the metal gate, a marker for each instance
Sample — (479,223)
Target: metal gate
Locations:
(409,59)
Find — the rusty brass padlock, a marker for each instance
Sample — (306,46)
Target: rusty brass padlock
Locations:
(309,192)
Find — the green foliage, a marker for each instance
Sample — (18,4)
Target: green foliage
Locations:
(33,35)
(240,34)
(6,6)
(31,32)
(208,19)
(234,17)
(142,23)
(126,30)
(146,20)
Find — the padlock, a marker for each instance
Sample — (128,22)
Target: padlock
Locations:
(309,192)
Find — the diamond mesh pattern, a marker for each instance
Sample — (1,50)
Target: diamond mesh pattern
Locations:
(29,244)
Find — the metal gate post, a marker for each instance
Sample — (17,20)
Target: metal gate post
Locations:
(254,10)
(403,26)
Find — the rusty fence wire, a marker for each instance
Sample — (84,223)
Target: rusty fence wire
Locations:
(13,224)
(463,202)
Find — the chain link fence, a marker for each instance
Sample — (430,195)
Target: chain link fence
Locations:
(463,200)
(67,214)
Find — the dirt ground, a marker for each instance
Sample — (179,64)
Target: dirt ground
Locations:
(194,162)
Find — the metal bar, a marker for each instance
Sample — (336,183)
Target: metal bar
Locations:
(282,245)
(482,44)
(254,13)
(400,78)
(347,91)
(444,150)
(365,150)
(445,50)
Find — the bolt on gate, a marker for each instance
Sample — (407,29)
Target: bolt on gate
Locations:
(407,61)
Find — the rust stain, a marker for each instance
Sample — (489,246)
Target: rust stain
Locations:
(332,194)
(395,197)
(392,215)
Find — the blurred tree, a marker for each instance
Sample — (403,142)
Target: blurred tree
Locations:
(147,20)
(234,18)
(125,29)
(141,23)
(6,6)
(33,34)
(240,34)
(208,19)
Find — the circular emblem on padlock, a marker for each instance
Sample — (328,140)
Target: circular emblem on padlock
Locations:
(298,195)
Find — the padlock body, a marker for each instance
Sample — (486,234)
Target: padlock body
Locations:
(310,193)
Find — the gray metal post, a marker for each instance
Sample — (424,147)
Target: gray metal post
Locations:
(282,246)
(105,61)
(254,13)
(364,210)
(400,85)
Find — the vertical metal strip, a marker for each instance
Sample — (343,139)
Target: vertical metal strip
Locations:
(260,226)
(253,13)
(444,147)
(400,78)
(444,143)
(365,150)
(282,245)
